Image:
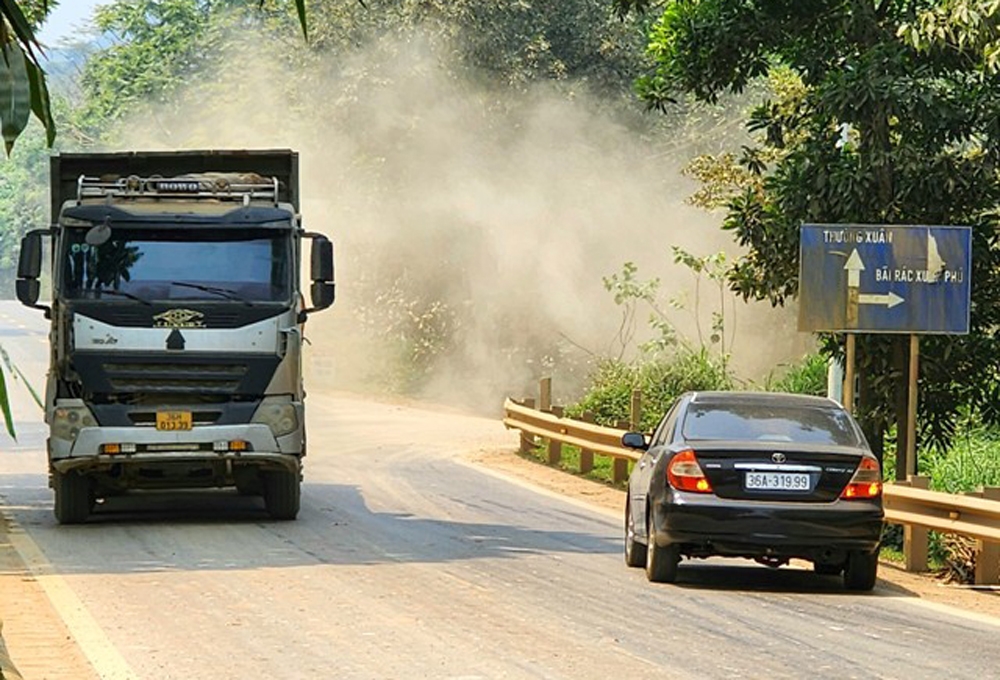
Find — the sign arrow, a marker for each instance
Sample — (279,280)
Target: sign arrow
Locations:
(854,267)
(935,263)
(889,299)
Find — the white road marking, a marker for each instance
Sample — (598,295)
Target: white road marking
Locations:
(948,609)
(102,654)
(538,489)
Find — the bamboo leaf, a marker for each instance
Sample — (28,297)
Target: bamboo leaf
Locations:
(15,94)
(5,407)
(300,7)
(40,104)
(22,29)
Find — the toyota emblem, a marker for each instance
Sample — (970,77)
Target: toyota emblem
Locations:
(779,457)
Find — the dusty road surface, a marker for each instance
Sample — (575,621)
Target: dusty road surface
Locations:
(408,561)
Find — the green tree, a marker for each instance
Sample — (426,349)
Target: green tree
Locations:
(888,118)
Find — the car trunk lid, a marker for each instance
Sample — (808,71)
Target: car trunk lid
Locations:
(777,471)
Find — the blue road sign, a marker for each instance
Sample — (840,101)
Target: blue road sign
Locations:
(884,279)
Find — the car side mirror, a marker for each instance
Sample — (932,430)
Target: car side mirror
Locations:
(635,440)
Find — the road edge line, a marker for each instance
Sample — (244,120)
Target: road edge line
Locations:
(90,638)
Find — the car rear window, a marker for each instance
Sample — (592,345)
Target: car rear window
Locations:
(779,423)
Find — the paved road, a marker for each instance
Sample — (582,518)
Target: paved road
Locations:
(408,563)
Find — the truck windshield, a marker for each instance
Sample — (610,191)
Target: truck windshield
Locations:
(179,264)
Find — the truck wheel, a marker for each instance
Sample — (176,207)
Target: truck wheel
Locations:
(74,497)
(282,492)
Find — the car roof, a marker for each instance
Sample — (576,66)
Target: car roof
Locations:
(762,398)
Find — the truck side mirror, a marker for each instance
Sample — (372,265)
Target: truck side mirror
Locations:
(28,291)
(29,264)
(323,289)
(322,294)
(322,260)
(29,268)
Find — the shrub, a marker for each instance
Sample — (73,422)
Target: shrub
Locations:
(661,379)
(808,376)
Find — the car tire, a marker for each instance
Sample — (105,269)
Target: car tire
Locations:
(861,570)
(282,494)
(74,497)
(662,562)
(635,552)
(826,569)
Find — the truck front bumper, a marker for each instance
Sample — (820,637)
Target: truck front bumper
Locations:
(157,446)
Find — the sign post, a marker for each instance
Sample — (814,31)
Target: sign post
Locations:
(869,278)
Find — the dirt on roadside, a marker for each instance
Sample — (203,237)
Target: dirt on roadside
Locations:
(38,641)
(892,577)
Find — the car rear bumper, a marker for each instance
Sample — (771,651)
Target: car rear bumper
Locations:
(708,525)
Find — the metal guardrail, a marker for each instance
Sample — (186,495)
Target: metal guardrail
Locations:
(596,438)
(909,503)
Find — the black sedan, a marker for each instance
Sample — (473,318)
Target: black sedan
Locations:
(760,475)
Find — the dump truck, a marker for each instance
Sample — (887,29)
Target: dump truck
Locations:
(177,324)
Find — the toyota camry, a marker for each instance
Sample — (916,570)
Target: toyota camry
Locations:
(758,475)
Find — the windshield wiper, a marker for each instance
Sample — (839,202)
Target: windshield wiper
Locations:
(224,292)
(130,296)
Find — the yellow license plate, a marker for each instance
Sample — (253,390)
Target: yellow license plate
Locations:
(173,420)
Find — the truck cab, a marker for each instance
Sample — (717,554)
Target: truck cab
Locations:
(176,325)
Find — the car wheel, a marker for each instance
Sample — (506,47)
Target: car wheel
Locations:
(861,570)
(826,569)
(282,493)
(74,497)
(635,552)
(661,562)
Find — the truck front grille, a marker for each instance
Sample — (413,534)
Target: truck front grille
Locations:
(174,378)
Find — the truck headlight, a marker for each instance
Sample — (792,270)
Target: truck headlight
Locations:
(278,413)
(67,421)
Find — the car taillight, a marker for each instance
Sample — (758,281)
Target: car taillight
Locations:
(684,473)
(866,482)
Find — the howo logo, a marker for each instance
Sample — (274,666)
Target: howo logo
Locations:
(179,318)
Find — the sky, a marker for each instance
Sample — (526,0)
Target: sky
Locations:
(67,19)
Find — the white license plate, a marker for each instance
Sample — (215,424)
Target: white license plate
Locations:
(776,481)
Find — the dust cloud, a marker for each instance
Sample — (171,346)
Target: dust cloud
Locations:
(473,225)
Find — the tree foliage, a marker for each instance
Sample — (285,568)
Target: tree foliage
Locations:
(891,115)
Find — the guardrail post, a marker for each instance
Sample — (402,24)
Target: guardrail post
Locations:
(915,541)
(635,410)
(555,446)
(987,553)
(545,394)
(619,466)
(586,455)
(527,440)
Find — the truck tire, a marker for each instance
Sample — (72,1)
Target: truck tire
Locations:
(282,492)
(74,497)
